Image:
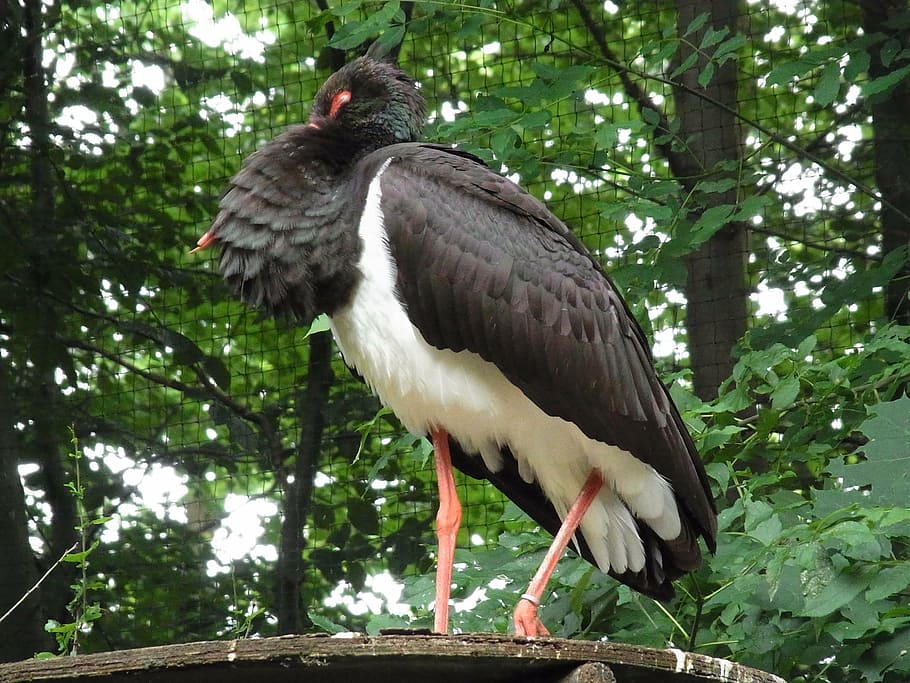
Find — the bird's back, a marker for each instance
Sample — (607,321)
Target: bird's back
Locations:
(480,313)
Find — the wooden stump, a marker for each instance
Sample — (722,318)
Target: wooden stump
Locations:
(356,658)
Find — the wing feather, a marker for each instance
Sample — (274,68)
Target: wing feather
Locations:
(484,266)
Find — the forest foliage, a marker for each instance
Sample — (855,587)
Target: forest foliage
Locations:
(121,123)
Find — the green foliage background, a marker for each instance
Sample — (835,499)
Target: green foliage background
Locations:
(107,324)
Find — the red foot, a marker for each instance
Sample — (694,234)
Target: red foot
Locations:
(526,621)
(525,618)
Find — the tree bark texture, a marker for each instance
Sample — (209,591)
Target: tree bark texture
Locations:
(311,403)
(891,153)
(46,255)
(30,392)
(717,289)
(22,633)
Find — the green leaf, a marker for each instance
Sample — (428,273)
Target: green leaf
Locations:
(886,469)
(56,627)
(535,120)
(80,556)
(491,118)
(785,587)
(828,85)
(363,515)
(346,7)
(472,24)
(889,51)
(750,207)
(785,393)
(557,83)
(667,49)
(889,581)
(767,532)
(650,116)
(92,613)
(710,221)
(806,346)
(218,371)
(857,64)
(687,64)
(728,48)
(835,295)
(719,185)
(325,624)
(885,83)
(697,23)
(719,472)
(392,36)
(76,557)
(889,654)
(353,33)
(383,621)
(786,72)
(713,36)
(717,437)
(834,595)
(704,78)
(855,540)
(503,142)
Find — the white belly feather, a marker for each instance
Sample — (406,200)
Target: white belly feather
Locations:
(472,400)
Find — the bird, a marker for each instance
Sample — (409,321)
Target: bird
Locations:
(481,320)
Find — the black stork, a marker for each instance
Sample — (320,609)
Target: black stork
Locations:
(478,318)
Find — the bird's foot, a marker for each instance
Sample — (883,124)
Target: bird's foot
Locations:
(525,619)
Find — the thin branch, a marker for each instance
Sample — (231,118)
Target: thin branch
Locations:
(38,583)
(826,248)
(98,315)
(635,93)
(632,88)
(216,394)
(813,399)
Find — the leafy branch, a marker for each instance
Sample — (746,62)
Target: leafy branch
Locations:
(206,384)
(37,584)
(84,614)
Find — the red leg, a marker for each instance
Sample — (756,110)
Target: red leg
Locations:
(525,618)
(448,519)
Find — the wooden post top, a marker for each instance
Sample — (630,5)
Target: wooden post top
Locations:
(398,658)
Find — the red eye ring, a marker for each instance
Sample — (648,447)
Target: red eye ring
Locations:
(340,99)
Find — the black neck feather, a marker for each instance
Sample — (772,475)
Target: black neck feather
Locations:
(289,243)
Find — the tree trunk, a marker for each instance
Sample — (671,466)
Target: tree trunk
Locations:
(311,403)
(46,255)
(22,633)
(891,152)
(717,288)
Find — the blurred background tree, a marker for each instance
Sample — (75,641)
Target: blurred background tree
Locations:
(740,168)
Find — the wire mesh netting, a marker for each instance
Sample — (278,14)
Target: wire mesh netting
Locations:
(231,461)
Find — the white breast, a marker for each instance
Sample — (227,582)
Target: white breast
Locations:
(470,398)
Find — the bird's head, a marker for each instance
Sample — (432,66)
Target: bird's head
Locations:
(371,101)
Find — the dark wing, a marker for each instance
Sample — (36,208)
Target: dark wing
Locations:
(484,266)
(284,226)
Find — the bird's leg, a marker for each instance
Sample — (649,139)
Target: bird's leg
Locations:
(448,519)
(525,618)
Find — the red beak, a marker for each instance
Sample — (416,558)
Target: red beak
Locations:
(204,242)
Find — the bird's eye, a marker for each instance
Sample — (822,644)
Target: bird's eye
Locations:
(341,98)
